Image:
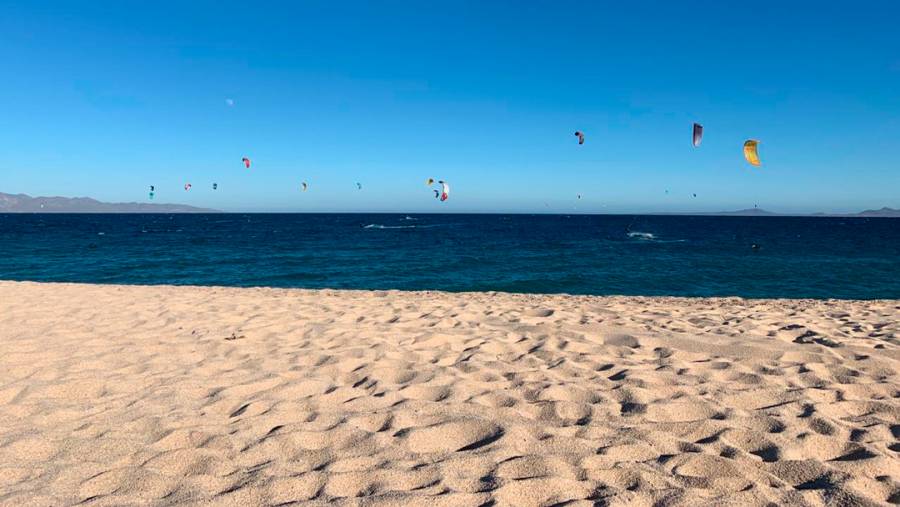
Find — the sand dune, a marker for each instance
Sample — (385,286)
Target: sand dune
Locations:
(114,395)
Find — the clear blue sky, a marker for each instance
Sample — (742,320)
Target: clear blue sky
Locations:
(105,98)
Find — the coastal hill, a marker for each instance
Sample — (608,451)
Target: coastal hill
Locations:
(883,212)
(749,212)
(757,212)
(21,203)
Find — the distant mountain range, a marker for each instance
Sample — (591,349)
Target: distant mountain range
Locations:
(756,212)
(21,203)
(883,212)
(749,212)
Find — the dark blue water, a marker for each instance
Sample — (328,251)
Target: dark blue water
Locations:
(643,255)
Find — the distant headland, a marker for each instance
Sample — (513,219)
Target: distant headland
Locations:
(21,203)
(757,212)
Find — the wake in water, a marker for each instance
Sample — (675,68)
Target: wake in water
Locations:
(646,236)
(380,226)
(649,236)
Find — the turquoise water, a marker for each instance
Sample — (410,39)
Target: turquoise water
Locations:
(577,254)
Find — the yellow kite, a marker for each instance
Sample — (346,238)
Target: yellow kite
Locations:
(750,151)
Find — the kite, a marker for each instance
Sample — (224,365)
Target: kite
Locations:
(750,151)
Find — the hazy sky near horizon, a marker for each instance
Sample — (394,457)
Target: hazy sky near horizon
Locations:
(105,98)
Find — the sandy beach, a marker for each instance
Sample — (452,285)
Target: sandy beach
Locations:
(160,395)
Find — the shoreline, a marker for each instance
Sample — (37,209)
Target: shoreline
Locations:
(431,292)
(161,394)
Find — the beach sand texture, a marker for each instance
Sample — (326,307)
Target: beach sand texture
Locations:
(116,395)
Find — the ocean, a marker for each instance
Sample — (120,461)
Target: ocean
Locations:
(793,257)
